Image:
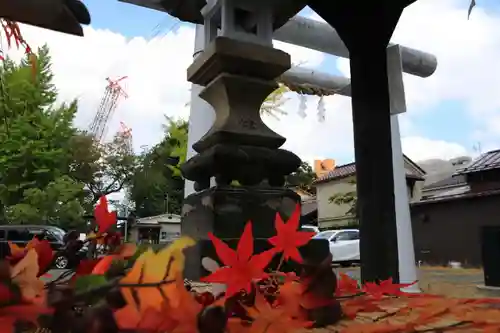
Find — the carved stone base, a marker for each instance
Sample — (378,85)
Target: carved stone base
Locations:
(249,165)
(224,211)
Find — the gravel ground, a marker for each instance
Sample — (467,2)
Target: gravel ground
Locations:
(444,281)
(436,280)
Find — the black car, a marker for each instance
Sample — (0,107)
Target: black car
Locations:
(22,234)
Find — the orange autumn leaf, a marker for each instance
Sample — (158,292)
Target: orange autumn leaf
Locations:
(104,264)
(30,312)
(156,272)
(42,248)
(25,275)
(186,308)
(272,319)
(352,307)
(16,250)
(151,320)
(382,327)
(127,250)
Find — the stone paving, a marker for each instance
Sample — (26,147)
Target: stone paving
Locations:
(446,281)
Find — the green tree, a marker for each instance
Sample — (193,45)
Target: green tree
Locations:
(106,168)
(157,186)
(59,203)
(302,178)
(35,135)
(351,200)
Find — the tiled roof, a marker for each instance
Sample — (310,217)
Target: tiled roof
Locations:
(309,206)
(487,161)
(340,171)
(347,170)
(450,181)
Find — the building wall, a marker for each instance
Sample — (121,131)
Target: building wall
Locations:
(170,226)
(332,215)
(329,214)
(416,195)
(450,230)
(170,232)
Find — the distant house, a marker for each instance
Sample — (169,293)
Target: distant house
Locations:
(442,178)
(156,229)
(309,212)
(447,226)
(340,180)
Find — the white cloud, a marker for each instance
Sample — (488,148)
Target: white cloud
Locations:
(155,69)
(467,52)
(418,148)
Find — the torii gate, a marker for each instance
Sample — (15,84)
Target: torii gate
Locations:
(320,36)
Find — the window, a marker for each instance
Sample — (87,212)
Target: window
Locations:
(342,236)
(2,234)
(325,235)
(347,235)
(353,235)
(19,235)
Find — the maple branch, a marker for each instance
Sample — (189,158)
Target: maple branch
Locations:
(60,278)
(351,296)
(145,285)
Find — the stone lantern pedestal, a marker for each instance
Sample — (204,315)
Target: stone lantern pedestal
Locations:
(238,75)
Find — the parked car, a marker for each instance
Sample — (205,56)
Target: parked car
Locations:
(22,234)
(309,228)
(344,245)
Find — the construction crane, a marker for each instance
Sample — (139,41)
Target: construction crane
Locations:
(108,105)
(126,133)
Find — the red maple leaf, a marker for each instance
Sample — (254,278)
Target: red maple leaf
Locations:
(386,287)
(288,238)
(45,256)
(241,267)
(104,218)
(85,267)
(346,285)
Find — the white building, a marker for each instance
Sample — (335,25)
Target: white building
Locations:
(156,229)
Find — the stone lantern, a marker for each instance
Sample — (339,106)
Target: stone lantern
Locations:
(250,21)
(238,69)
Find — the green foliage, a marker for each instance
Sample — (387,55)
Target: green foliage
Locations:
(177,133)
(51,172)
(110,167)
(348,198)
(272,105)
(35,135)
(57,203)
(302,178)
(86,282)
(156,183)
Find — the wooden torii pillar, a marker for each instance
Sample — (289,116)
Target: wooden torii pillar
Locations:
(366,30)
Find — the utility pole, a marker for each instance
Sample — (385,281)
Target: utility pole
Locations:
(166,203)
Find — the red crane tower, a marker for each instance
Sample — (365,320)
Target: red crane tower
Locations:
(108,105)
(126,133)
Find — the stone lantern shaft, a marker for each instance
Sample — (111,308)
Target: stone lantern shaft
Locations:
(238,69)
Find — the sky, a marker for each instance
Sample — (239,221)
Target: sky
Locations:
(452,113)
